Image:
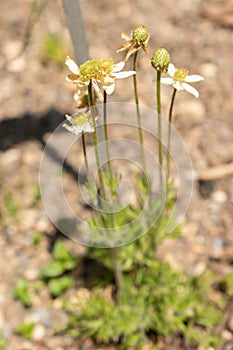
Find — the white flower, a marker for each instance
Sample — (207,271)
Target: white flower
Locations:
(180,79)
(79,123)
(81,76)
(110,72)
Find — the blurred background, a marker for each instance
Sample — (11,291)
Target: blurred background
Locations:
(34,97)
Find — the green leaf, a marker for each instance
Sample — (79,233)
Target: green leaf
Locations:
(62,254)
(53,269)
(21,292)
(58,286)
(26,330)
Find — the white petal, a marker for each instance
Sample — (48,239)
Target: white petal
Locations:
(108,80)
(193,78)
(72,129)
(171,69)
(109,88)
(167,81)
(122,75)
(178,86)
(72,65)
(68,117)
(190,89)
(88,128)
(118,67)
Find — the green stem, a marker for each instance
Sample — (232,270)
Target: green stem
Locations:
(85,153)
(138,110)
(95,140)
(114,251)
(160,146)
(116,266)
(106,140)
(117,269)
(169,134)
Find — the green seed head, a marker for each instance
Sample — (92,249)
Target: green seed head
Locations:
(160,60)
(180,74)
(90,69)
(141,35)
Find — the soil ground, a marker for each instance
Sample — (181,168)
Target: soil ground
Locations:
(34,98)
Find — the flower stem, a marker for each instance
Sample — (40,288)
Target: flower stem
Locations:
(138,110)
(169,135)
(114,251)
(85,153)
(116,268)
(95,140)
(160,149)
(106,139)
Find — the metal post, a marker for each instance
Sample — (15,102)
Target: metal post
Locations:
(77,31)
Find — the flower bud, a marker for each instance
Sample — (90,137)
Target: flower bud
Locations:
(160,60)
(141,35)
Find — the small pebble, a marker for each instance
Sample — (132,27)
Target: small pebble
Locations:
(217,248)
(42,224)
(226,335)
(11,48)
(18,65)
(199,268)
(31,274)
(10,158)
(219,197)
(39,332)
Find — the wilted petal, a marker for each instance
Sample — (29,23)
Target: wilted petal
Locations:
(132,50)
(193,78)
(125,37)
(72,65)
(124,47)
(97,90)
(190,89)
(73,78)
(167,81)
(122,75)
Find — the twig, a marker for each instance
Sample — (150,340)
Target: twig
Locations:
(215,173)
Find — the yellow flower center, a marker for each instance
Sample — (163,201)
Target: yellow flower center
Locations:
(90,70)
(80,119)
(180,74)
(106,65)
(141,35)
